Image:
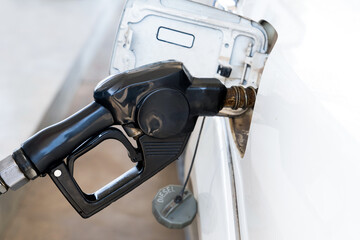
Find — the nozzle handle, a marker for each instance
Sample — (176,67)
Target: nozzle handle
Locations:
(52,145)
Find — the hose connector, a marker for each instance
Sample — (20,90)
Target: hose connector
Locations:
(10,175)
(15,171)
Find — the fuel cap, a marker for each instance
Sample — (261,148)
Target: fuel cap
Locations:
(171,213)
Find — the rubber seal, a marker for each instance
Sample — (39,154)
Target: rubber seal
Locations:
(24,164)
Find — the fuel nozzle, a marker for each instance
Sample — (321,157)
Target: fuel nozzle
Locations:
(159,103)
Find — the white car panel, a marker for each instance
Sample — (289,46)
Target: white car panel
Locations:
(299,178)
(212,181)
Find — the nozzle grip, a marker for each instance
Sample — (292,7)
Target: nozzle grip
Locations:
(152,156)
(50,146)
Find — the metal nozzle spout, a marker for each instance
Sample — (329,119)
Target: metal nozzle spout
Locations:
(240,97)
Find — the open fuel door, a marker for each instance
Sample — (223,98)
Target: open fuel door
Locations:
(210,43)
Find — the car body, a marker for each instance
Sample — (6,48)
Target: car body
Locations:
(296,175)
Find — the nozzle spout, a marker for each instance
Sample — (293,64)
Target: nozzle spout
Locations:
(240,97)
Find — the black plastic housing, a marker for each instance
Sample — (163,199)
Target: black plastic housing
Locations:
(162,101)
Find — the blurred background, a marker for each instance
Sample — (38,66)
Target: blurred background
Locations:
(52,55)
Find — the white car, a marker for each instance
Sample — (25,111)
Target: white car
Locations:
(298,177)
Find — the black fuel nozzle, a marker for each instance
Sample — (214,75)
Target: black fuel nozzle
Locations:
(157,104)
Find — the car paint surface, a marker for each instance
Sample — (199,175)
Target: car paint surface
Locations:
(299,178)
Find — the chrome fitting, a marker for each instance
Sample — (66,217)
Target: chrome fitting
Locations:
(10,175)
